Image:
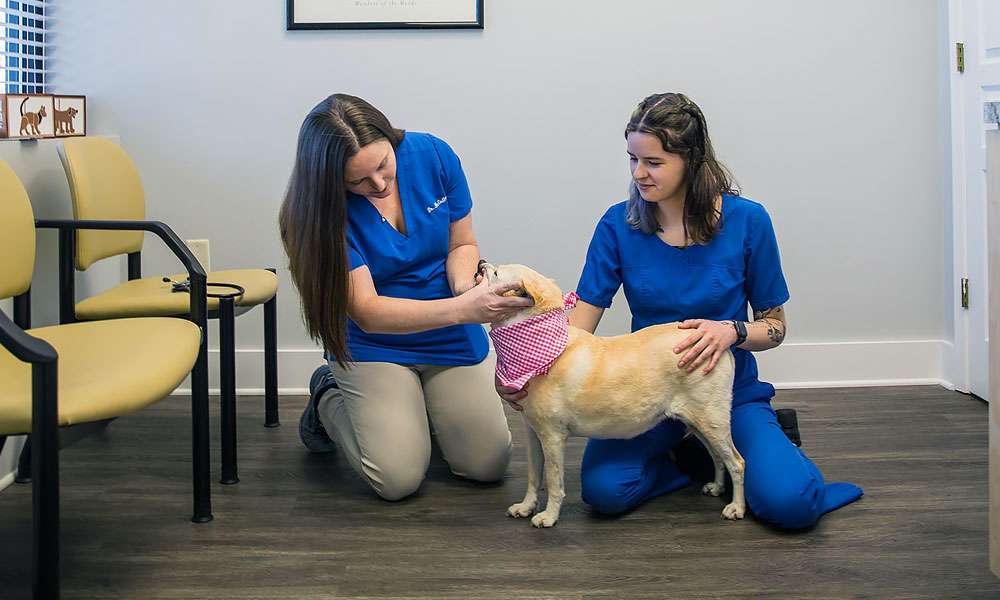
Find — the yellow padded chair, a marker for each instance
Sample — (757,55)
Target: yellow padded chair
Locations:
(64,375)
(105,184)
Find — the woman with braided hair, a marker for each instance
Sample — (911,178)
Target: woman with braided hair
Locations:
(688,248)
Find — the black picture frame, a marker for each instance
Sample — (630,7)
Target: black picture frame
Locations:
(292,25)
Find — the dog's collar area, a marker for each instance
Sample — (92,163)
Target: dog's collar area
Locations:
(529,348)
(569,300)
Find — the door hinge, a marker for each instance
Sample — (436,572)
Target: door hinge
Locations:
(965,292)
(960,57)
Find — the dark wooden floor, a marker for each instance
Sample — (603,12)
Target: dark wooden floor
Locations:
(303,526)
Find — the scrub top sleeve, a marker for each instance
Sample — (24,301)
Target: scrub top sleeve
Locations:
(456,185)
(601,275)
(765,283)
(354,259)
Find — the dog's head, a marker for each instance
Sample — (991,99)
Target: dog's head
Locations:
(543,291)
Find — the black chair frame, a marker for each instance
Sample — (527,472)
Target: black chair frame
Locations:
(44,435)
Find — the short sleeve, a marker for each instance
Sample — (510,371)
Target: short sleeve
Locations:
(601,275)
(354,258)
(456,185)
(765,283)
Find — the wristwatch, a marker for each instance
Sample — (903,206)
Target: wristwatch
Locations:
(741,332)
(479,269)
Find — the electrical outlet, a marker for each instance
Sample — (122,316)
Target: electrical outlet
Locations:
(200,250)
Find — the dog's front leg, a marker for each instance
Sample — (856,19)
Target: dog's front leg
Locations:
(535,460)
(553,448)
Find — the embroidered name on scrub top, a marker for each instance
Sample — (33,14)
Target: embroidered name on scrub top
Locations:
(436,204)
(529,348)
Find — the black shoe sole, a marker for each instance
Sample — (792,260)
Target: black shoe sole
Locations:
(789,422)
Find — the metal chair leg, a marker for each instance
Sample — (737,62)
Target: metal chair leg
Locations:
(201,459)
(45,473)
(271,362)
(227,371)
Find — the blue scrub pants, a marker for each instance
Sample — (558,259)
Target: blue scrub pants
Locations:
(783,487)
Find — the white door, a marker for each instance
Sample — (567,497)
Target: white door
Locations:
(976,24)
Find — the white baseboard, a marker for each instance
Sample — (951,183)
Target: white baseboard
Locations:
(791,365)
(8,459)
(854,364)
(294,369)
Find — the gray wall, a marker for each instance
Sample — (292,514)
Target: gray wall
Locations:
(834,115)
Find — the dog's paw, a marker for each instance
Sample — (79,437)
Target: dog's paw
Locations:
(521,509)
(713,489)
(733,512)
(544,519)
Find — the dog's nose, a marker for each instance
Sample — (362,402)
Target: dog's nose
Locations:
(485,268)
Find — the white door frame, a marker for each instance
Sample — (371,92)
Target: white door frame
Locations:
(964,361)
(956,358)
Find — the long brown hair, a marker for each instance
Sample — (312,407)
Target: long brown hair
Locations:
(313,216)
(680,126)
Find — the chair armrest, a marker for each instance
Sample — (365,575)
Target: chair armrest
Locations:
(24,347)
(180,250)
(199,300)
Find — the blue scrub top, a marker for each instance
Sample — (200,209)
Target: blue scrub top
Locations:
(434,193)
(717,281)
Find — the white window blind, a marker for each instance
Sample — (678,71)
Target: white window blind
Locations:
(24,64)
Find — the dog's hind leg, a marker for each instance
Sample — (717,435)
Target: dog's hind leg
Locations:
(553,448)
(711,422)
(527,506)
(720,439)
(718,484)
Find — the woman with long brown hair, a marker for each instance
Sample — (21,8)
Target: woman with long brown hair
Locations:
(688,248)
(377,226)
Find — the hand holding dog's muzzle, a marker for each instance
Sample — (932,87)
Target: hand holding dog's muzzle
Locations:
(487,303)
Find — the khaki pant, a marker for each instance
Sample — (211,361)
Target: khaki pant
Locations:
(382,415)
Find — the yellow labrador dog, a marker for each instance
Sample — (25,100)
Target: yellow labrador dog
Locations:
(616,387)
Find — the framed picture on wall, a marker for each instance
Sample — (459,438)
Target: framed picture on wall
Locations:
(384,14)
(69,115)
(27,116)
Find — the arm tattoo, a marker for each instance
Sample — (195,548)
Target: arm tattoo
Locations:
(772,318)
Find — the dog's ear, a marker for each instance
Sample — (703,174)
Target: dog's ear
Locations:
(532,288)
(544,292)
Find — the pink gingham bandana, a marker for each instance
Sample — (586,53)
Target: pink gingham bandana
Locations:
(530,347)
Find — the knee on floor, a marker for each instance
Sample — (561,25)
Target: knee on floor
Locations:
(606,495)
(786,506)
(485,466)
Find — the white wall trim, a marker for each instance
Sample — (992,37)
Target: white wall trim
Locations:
(295,366)
(8,459)
(850,364)
(791,365)
(956,358)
